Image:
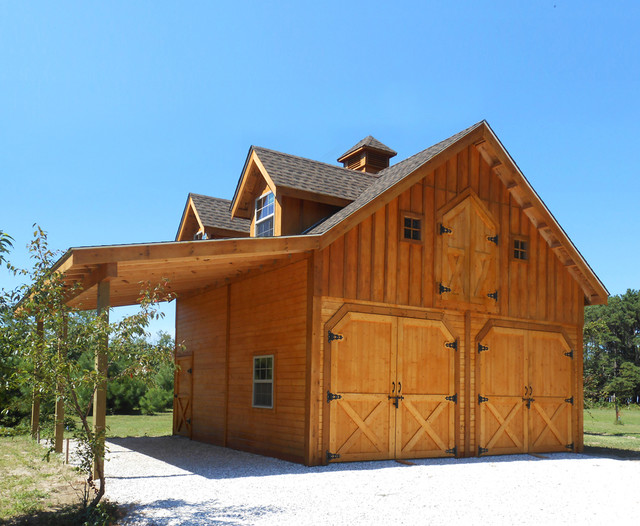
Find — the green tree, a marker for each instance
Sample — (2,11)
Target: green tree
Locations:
(611,341)
(50,365)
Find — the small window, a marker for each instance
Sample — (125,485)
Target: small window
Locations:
(411,228)
(263,381)
(264,215)
(520,249)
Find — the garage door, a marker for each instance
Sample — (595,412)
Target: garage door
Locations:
(525,392)
(391,389)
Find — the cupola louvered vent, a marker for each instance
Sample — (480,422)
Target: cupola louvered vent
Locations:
(369,155)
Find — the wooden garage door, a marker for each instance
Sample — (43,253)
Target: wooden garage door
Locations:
(182,397)
(392,388)
(525,392)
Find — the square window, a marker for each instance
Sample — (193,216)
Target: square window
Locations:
(412,228)
(520,249)
(263,381)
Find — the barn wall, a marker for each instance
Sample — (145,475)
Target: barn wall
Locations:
(201,330)
(269,316)
(371,263)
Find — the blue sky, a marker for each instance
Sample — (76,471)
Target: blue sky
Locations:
(111,113)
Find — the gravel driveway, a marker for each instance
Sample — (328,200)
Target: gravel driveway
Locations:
(171,480)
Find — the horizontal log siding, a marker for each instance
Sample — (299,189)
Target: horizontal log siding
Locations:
(370,263)
(269,316)
(201,329)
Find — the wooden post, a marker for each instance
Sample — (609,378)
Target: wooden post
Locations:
(35,401)
(100,396)
(59,418)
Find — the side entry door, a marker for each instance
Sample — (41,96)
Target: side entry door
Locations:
(182,397)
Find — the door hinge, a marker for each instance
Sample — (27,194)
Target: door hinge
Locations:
(569,400)
(445,230)
(332,456)
(453,398)
(175,396)
(482,399)
(482,450)
(569,446)
(493,239)
(331,396)
(493,295)
(453,451)
(452,345)
(333,336)
(190,371)
(569,354)
(482,348)
(442,289)
(188,420)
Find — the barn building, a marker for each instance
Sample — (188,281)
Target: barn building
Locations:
(427,308)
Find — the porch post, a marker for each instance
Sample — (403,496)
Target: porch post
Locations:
(35,401)
(100,396)
(59,417)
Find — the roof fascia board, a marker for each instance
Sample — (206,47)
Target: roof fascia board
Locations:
(189,206)
(394,191)
(236,247)
(534,201)
(252,160)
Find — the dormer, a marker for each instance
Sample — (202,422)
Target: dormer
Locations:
(207,217)
(285,195)
(369,155)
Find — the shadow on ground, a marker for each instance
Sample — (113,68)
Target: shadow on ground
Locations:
(214,462)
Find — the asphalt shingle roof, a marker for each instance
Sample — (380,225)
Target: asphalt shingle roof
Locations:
(389,177)
(215,213)
(371,142)
(313,176)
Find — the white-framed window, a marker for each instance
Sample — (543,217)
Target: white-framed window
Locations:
(263,381)
(264,215)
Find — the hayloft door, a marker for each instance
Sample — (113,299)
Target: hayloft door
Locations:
(182,398)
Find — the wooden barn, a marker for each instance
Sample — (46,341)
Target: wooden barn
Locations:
(428,308)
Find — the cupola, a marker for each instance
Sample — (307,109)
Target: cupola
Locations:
(369,155)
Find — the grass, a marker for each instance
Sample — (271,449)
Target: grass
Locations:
(600,430)
(157,425)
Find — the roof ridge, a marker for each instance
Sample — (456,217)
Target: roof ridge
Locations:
(210,197)
(335,166)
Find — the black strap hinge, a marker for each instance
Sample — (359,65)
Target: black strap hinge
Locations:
(452,345)
(190,371)
(333,336)
(331,396)
(482,348)
(569,354)
(482,399)
(453,451)
(482,450)
(493,295)
(569,400)
(442,289)
(453,398)
(445,230)
(569,446)
(332,456)
(493,239)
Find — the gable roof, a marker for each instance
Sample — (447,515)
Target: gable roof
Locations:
(372,143)
(215,212)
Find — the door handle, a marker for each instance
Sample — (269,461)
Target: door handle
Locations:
(526,391)
(530,390)
(393,390)
(399,387)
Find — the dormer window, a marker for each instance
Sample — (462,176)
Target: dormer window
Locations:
(264,215)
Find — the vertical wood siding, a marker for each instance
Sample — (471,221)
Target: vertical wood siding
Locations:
(372,263)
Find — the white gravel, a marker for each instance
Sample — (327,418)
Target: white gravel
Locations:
(172,480)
